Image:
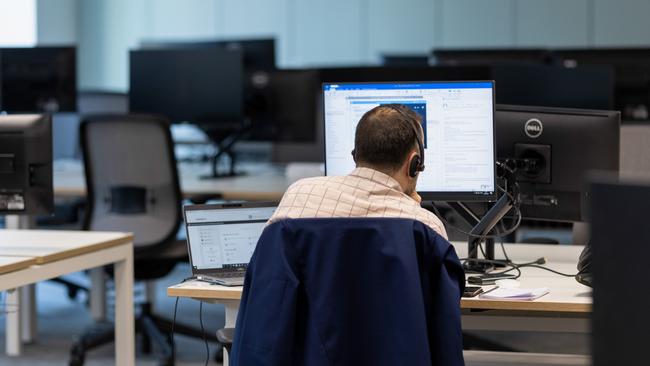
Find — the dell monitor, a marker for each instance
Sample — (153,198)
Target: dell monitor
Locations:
(560,147)
(40,79)
(26,165)
(458,125)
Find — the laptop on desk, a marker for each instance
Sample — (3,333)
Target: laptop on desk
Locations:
(221,239)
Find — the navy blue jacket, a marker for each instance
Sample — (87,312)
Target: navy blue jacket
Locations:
(350,292)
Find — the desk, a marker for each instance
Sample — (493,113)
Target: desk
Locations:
(30,256)
(268,183)
(565,309)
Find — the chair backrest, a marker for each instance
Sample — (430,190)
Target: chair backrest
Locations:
(619,245)
(350,292)
(635,149)
(131,178)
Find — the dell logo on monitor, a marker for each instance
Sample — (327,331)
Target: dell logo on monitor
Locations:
(533,128)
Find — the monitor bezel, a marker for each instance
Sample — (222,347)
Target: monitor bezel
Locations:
(428,195)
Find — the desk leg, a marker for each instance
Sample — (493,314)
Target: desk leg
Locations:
(13,328)
(21,321)
(232,309)
(124,321)
(98,294)
(28,317)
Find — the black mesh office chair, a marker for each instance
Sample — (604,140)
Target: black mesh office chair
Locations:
(133,186)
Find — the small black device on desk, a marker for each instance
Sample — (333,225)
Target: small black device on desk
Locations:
(488,279)
(472,291)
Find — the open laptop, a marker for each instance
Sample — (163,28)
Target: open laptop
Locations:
(221,239)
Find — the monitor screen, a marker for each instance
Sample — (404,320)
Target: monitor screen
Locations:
(201,85)
(224,237)
(458,125)
(39,79)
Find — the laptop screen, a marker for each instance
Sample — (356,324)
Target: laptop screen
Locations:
(224,237)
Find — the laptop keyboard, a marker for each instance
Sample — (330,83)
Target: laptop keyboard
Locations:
(231,274)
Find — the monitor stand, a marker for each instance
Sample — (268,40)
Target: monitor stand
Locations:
(506,171)
(482,228)
(225,147)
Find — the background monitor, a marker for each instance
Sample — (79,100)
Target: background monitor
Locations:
(586,87)
(259,54)
(566,144)
(40,79)
(458,125)
(199,85)
(26,165)
(287,112)
(465,57)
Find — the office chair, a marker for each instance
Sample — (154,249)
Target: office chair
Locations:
(350,291)
(132,186)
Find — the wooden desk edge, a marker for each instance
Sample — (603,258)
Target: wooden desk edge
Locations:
(543,306)
(207,293)
(465,304)
(17,266)
(124,239)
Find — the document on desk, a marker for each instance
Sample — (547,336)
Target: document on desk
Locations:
(523,294)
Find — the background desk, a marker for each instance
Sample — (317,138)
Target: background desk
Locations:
(265,182)
(565,309)
(30,256)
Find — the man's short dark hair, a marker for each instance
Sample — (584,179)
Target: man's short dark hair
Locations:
(385,137)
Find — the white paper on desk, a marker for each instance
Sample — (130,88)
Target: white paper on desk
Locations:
(515,293)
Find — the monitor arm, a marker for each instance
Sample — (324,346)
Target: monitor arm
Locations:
(481,227)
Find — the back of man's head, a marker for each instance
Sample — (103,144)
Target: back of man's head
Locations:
(385,137)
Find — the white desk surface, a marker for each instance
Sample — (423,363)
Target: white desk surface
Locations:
(266,183)
(51,245)
(566,295)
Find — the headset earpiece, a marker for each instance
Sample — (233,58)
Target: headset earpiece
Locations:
(415,166)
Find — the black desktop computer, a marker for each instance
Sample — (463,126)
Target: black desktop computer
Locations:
(39,79)
(26,165)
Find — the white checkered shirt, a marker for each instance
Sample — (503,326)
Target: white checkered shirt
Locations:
(363,193)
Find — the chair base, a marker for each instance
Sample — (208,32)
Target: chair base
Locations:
(154,331)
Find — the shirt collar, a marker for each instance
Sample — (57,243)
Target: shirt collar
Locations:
(377,177)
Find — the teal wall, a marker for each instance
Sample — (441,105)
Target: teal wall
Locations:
(334,32)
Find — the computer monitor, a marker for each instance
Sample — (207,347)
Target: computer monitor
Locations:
(466,57)
(393,74)
(405,60)
(259,54)
(563,145)
(458,124)
(285,107)
(40,79)
(26,165)
(585,87)
(199,85)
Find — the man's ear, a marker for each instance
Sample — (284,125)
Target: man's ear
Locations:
(407,164)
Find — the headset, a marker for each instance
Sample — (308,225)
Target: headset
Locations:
(417,163)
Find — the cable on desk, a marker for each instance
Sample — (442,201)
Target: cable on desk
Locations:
(205,336)
(173,324)
(550,270)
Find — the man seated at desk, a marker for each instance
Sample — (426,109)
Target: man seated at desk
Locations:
(387,148)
